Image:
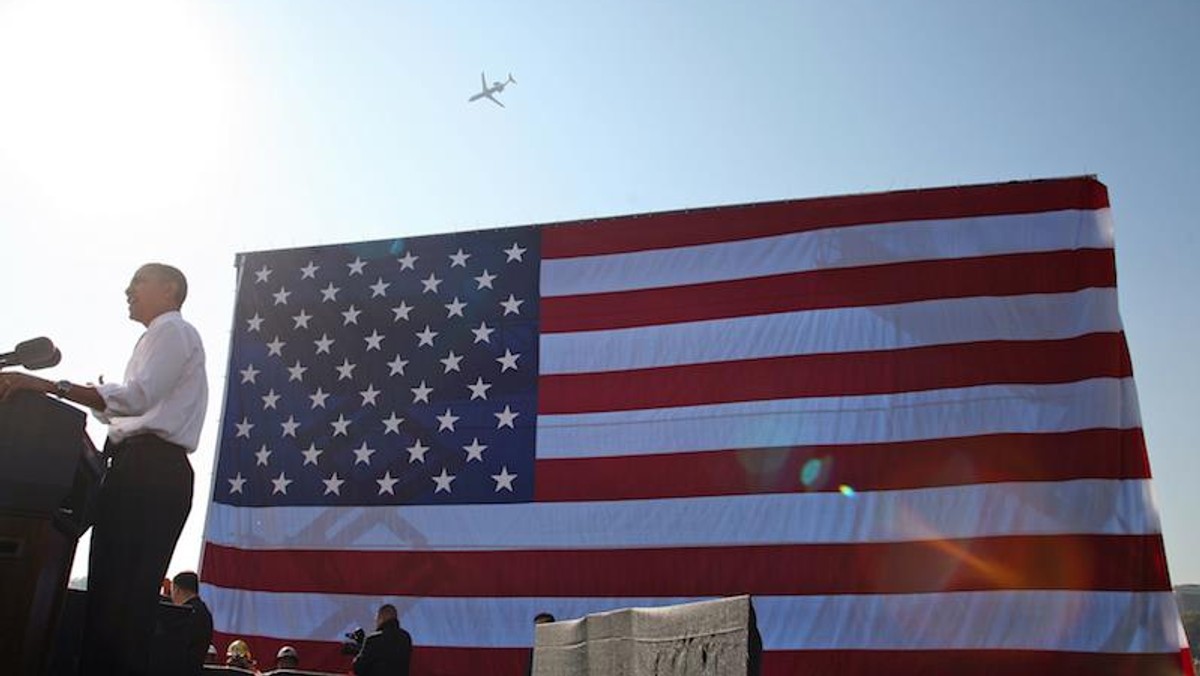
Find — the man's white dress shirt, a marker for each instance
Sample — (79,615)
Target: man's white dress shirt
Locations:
(165,391)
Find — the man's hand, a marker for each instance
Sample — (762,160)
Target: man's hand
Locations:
(13,382)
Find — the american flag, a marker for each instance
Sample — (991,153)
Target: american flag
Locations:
(904,422)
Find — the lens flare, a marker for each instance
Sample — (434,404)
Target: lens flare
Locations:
(847,490)
(810,472)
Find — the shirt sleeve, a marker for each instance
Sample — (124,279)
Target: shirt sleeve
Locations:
(164,354)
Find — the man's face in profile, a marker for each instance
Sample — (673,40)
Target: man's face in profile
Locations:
(149,294)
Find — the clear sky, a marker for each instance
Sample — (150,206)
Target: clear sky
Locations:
(188,131)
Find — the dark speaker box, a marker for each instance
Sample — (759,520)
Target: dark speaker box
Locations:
(35,560)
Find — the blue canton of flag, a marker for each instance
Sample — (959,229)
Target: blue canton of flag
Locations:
(388,372)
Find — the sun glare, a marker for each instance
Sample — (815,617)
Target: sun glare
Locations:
(109,106)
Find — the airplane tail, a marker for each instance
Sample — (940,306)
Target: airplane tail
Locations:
(510,79)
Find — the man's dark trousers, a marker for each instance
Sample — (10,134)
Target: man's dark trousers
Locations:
(143,504)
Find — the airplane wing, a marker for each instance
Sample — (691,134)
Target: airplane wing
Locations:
(494,100)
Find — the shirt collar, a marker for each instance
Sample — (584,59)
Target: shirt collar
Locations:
(163,318)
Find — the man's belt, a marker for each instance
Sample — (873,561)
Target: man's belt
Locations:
(139,441)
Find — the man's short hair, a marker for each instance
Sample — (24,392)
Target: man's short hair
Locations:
(387,611)
(173,275)
(187,581)
(543,618)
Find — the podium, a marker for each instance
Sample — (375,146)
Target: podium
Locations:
(49,473)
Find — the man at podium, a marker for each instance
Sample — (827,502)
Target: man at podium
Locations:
(154,418)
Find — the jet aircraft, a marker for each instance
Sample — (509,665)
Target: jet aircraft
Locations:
(490,92)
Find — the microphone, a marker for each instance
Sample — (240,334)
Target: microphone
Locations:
(33,354)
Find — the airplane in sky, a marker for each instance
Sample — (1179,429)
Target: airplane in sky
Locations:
(488,92)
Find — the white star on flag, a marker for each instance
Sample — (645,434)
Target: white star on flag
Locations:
(318,398)
(340,426)
(379,288)
(351,316)
(443,481)
(407,261)
(323,344)
(249,374)
(504,480)
(296,372)
(346,370)
(289,426)
(262,275)
(329,293)
(281,296)
(236,483)
(269,399)
(506,417)
(446,421)
(386,483)
(262,457)
(401,311)
(255,323)
(459,259)
(455,308)
(311,454)
(512,305)
(483,334)
(451,362)
(431,284)
(421,392)
(362,454)
(479,389)
(356,267)
(514,253)
(416,452)
(368,395)
(508,361)
(374,341)
(392,424)
(397,366)
(301,319)
(426,337)
(475,450)
(309,271)
(244,427)
(281,484)
(275,347)
(485,280)
(333,484)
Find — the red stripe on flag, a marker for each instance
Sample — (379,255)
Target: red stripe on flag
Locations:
(722,224)
(989,662)
(1009,275)
(934,367)
(437,661)
(1063,562)
(1064,456)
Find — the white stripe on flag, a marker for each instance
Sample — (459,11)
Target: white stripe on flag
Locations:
(839,247)
(1095,621)
(907,416)
(880,327)
(1099,506)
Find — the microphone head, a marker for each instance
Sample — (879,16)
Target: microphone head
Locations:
(51,361)
(37,353)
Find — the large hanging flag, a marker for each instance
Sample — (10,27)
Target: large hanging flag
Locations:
(905,423)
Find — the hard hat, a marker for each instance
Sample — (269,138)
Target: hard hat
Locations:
(287,651)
